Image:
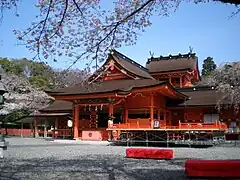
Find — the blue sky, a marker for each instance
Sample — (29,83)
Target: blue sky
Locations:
(205,27)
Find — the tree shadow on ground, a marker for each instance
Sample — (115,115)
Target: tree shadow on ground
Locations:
(92,167)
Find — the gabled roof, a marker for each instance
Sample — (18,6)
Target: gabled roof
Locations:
(125,63)
(172,63)
(130,65)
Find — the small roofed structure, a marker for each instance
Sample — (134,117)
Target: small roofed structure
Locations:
(180,70)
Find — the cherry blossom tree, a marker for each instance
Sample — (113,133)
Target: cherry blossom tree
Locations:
(226,79)
(21,96)
(84,29)
(66,78)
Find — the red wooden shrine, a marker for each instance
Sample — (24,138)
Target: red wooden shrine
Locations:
(158,97)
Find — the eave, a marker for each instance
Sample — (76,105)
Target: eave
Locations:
(152,88)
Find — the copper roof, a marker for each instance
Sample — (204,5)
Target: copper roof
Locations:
(58,105)
(172,63)
(201,96)
(107,86)
(130,65)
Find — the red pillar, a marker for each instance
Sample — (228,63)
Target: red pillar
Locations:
(76,121)
(152,110)
(110,110)
(165,117)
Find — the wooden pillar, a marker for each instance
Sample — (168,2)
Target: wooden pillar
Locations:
(152,110)
(125,113)
(110,113)
(35,127)
(45,128)
(181,83)
(56,124)
(22,128)
(110,110)
(159,111)
(76,121)
(165,117)
(169,117)
(53,135)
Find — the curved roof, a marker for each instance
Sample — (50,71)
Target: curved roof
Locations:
(172,63)
(58,105)
(115,86)
(130,65)
(106,86)
(201,96)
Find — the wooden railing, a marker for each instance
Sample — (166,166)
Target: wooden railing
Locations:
(146,124)
(134,124)
(214,125)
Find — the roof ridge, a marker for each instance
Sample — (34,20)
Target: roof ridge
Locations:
(129,60)
(178,56)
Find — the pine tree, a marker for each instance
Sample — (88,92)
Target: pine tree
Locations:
(209,66)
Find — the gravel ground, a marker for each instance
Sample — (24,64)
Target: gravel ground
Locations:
(28,158)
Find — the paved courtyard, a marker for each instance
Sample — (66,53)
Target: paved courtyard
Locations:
(28,158)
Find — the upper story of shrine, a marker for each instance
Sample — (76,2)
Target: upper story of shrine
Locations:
(179,70)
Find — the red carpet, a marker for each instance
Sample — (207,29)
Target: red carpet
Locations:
(213,168)
(149,153)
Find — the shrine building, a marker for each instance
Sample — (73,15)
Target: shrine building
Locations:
(124,101)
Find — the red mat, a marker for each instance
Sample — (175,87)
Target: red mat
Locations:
(213,168)
(149,153)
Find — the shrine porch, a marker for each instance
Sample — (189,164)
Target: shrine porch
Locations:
(145,124)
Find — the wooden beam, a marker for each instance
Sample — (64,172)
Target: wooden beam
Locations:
(83,96)
(76,122)
(181,83)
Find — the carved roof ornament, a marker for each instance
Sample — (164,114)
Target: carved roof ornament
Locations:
(110,65)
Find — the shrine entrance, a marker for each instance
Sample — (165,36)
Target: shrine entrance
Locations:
(103,119)
(91,117)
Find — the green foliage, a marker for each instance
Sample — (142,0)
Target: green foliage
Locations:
(209,66)
(10,66)
(39,82)
(14,116)
(39,74)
